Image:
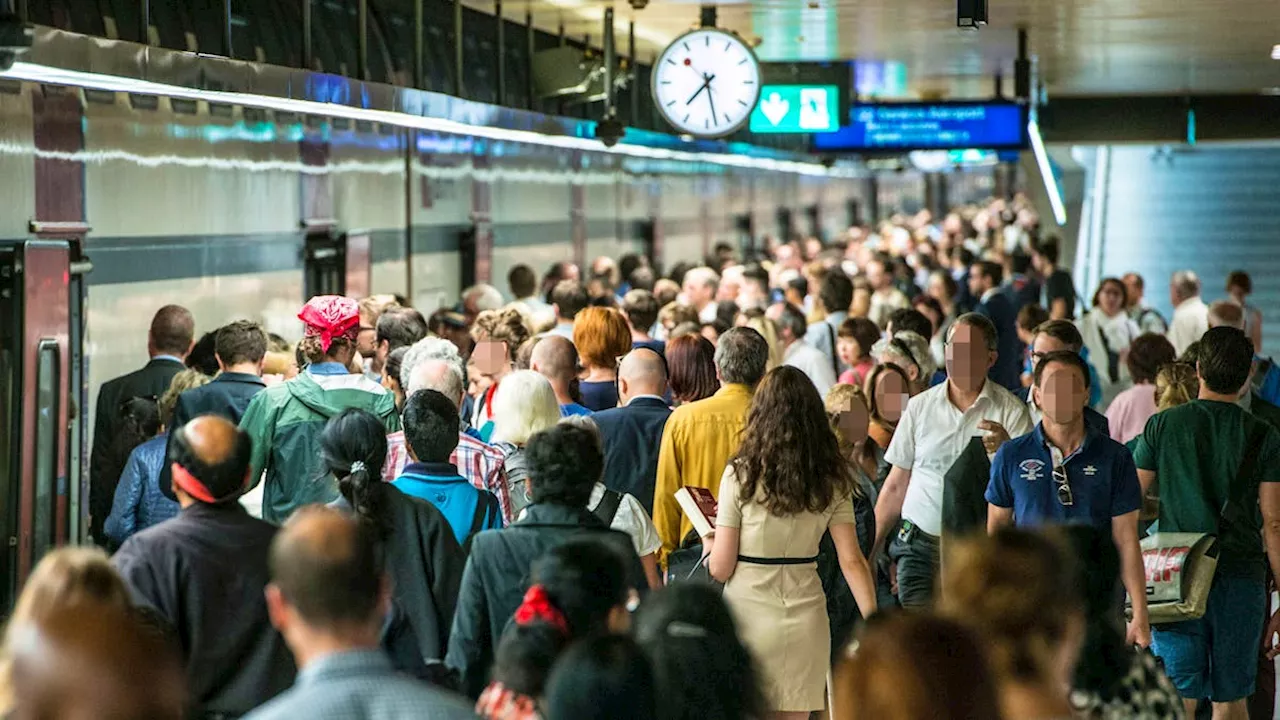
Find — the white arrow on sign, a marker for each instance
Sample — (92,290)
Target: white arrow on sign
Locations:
(775,108)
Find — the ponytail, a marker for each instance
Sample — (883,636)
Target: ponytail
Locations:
(366,495)
(353,446)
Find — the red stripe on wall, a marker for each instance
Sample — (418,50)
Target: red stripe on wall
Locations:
(58,126)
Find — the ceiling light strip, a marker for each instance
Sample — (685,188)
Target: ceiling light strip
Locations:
(1046,174)
(44,74)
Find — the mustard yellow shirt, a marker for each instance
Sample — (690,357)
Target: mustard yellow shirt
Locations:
(697,443)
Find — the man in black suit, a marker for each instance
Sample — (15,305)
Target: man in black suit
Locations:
(985,278)
(240,348)
(633,433)
(168,342)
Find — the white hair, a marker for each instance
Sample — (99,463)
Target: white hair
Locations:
(524,404)
(486,297)
(704,276)
(447,383)
(887,351)
(431,348)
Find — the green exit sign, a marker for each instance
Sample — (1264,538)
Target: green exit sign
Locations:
(797,109)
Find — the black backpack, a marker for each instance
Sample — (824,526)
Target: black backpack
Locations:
(607,510)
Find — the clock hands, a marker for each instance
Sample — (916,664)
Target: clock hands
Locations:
(711,99)
(706,85)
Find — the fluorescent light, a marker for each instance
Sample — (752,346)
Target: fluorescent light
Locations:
(1275,52)
(1046,174)
(113,83)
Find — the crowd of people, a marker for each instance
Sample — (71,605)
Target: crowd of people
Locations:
(935,473)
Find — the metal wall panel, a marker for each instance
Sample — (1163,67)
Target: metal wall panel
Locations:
(1208,209)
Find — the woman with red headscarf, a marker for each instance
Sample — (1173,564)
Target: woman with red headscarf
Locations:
(285,420)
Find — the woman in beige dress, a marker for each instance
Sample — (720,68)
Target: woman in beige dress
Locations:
(786,487)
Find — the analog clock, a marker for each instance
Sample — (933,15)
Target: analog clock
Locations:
(706,83)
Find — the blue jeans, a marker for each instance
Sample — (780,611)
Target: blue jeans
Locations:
(1216,656)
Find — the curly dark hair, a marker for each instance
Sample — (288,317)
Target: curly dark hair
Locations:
(788,450)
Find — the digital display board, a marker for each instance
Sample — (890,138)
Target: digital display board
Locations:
(928,126)
(796,109)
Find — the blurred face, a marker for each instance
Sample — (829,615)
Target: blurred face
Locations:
(938,289)
(490,358)
(1131,286)
(729,290)
(812,247)
(928,312)
(877,276)
(710,333)
(861,305)
(478,383)
(366,340)
(891,396)
(853,420)
(1062,394)
(751,295)
(698,293)
(849,350)
(978,283)
(968,358)
(1111,298)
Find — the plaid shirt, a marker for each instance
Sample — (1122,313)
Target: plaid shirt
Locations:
(483,465)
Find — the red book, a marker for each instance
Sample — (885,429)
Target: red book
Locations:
(700,505)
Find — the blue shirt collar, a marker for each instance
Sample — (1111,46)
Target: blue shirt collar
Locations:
(328,368)
(165,356)
(344,663)
(432,470)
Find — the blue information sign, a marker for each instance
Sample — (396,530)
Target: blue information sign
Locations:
(928,126)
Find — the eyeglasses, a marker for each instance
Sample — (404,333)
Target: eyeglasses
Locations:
(1064,489)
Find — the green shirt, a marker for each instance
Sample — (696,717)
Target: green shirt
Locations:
(1196,451)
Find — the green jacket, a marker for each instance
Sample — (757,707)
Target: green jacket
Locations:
(285,421)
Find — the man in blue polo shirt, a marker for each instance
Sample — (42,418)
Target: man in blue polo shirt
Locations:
(431,433)
(1067,472)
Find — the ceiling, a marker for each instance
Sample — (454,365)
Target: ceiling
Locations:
(1085,47)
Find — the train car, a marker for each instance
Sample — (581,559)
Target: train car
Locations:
(130,190)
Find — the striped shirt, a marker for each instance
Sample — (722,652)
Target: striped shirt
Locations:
(482,464)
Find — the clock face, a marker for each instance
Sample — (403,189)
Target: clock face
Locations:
(706,83)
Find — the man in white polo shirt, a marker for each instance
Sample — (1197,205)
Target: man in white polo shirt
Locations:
(935,429)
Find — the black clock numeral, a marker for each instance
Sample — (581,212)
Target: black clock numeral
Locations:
(673,102)
(748,82)
(686,118)
(706,124)
(686,47)
(665,82)
(743,61)
(728,44)
(673,62)
(708,40)
(743,103)
(726,118)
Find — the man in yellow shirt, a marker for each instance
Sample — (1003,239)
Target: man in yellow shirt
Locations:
(700,437)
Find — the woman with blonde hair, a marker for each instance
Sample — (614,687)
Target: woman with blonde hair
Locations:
(1176,384)
(64,577)
(768,329)
(1018,591)
(602,336)
(525,404)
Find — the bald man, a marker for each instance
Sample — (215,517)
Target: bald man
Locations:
(556,359)
(633,433)
(330,596)
(205,570)
(93,662)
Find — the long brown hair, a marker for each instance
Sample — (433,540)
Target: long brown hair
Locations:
(789,458)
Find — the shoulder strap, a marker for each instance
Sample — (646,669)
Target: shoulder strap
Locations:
(607,510)
(835,354)
(1233,510)
(483,505)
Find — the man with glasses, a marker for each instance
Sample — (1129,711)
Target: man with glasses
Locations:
(1067,472)
(939,425)
(1059,336)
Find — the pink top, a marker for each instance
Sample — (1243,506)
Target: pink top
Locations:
(1129,412)
(857,374)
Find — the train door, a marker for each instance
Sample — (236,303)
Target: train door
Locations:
(324,264)
(468,253)
(41,393)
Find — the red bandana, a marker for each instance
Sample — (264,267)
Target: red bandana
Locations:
(330,317)
(537,607)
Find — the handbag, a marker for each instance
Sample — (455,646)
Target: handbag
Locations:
(688,564)
(1180,566)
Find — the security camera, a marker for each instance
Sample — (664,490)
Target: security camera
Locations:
(609,131)
(638,4)
(15,40)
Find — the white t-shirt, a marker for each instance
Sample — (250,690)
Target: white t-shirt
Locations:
(932,434)
(812,362)
(630,519)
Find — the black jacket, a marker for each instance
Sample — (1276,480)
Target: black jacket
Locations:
(1008,368)
(204,573)
(425,563)
(151,381)
(497,576)
(632,436)
(227,395)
